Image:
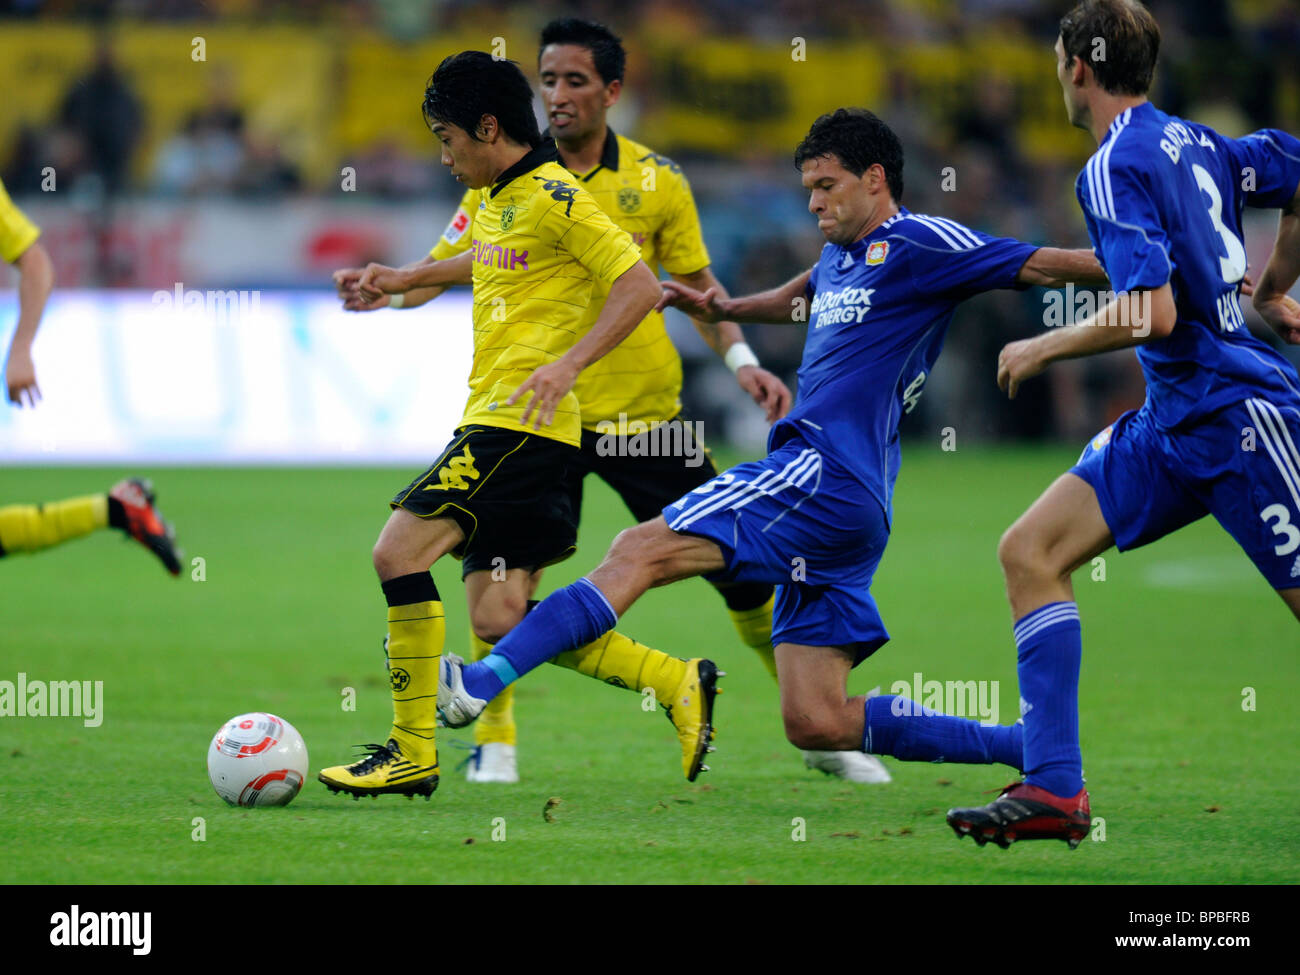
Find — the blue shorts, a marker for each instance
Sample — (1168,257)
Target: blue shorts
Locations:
(1241,464)
(795,520)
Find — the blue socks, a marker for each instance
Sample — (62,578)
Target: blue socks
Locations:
(1049,646)
(565,620)
(902,728)
(1045,747)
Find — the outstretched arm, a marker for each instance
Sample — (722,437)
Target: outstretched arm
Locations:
(1132,318)
(34,287)
(1052,267)
(378,280)
(347,279)
(1271,300)
(728,341)
(781,304)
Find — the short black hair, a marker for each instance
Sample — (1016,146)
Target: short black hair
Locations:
(605,46)
(472,84)
(1124,61)
(858,139)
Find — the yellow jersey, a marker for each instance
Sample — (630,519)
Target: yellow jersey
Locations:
(648,196)
(539,244)
(17,233)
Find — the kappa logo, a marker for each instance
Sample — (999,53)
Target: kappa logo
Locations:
(661,161)
(560,191)
(877,253)
(452,475)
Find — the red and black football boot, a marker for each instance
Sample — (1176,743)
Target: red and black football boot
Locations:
(1025,812)
(143,522)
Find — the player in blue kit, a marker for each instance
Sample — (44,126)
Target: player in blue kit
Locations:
(1219,430)
(813,517)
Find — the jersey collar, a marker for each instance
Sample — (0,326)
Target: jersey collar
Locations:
(608,154)
(1121,120)
(543,152)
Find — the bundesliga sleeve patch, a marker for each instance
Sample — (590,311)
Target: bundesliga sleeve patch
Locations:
(456,229)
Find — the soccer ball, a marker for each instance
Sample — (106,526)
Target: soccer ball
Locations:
(257,760)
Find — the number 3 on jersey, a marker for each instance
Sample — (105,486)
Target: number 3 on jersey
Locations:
(1290,534)
(1231,268)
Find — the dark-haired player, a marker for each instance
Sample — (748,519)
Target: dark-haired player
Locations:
(1163,199)
(128,505)
(639,382)
(538,245)
(879,301)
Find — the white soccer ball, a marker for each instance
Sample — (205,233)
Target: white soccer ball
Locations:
(257,760)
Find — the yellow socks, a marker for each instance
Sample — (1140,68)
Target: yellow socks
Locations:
(621,661)
(755,629)
(416,630)
(31,527)
(496,725)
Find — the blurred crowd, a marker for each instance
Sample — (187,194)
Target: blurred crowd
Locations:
(1230,64)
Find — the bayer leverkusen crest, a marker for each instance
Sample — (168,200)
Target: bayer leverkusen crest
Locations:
(877,252)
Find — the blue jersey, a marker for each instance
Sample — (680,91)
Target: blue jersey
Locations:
(1163,199)
(879,311)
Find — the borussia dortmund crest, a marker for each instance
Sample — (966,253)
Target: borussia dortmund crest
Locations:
(508,218)
(629,200)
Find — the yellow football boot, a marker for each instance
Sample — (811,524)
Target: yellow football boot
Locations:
(691,712)
(384,771)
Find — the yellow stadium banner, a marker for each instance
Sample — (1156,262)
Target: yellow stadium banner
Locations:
(738,98)
(323,95)
(282,78)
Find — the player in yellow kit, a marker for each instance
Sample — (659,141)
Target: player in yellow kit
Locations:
(537,248)
(128,505)
(638,384)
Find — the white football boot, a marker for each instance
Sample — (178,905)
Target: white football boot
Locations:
(493,761)
(850,766)
(456,706)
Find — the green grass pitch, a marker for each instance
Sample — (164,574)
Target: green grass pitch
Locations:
(1192,787)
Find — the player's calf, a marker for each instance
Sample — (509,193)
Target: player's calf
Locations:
(497,612)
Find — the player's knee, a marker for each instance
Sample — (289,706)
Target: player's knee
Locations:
(631,542)
(384,558)
(1019,553)
(636,550)
(496,614)
(813,730)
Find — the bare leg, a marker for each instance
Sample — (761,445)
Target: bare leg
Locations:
(817,712)
(652,554)
(409,544)
(495,608)
(1061,531)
